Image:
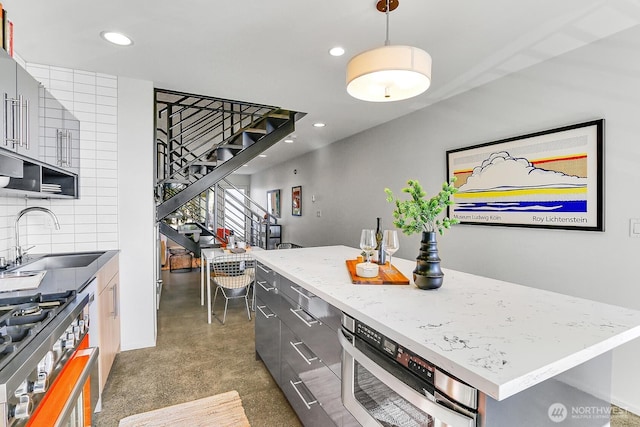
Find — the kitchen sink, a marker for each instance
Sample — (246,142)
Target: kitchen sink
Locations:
(55,261)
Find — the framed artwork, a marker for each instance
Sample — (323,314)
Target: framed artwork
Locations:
(273,202)
(296,201)
(548,179)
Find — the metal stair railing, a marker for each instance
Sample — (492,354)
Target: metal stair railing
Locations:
(228,166)
(192,127)
(200,141)
(251,215)
(192,152)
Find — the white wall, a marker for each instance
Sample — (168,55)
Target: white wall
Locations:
(601,80)
(136,155)
(90,222)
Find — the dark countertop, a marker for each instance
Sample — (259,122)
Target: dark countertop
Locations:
(63,279)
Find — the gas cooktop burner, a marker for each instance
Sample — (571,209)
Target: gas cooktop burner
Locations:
(27,309)
(22,317)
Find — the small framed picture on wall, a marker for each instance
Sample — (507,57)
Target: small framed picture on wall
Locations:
(296,201)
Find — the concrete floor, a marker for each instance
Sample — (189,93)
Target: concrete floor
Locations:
(192,360)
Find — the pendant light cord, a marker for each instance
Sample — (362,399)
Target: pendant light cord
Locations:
(386,41)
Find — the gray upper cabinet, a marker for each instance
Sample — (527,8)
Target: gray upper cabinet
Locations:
(59,134)
(20,103)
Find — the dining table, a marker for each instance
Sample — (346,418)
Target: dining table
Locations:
(207,256)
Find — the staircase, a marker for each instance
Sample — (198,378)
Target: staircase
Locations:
(200,141)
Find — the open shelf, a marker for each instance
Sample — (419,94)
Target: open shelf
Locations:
(40,180)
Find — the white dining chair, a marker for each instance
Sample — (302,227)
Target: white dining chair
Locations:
(233,275)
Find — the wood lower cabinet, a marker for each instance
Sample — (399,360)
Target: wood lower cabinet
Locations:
(108,317)
(297,339)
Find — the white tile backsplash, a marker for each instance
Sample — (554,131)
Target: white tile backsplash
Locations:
(90,222)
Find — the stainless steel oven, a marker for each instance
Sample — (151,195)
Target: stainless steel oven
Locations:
(385,384)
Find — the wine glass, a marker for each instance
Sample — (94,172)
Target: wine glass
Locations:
(368,242)
(390,243)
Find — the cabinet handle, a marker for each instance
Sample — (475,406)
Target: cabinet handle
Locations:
(58,147)
(64,148)
(309,324)
(69,141)
(294,385)
(5,119)
(10,104)
(28,121)
(300,293)
(114,295)
(262,285)
(20,122)
(260,308)
(295,347)
(263,269)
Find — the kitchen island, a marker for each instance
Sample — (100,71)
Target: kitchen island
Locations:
(498,337)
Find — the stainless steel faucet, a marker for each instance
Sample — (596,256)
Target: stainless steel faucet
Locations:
(19,252)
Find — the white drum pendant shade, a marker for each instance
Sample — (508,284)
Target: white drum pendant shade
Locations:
(389,73)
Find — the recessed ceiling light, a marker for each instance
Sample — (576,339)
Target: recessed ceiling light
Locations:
(116,38)
(262,155)
(245,164)
(319,125)
(336,51)
(289,141)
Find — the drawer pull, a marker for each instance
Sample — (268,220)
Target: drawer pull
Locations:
(301,294)
(260,308)
(295,347)
(307,404)
(263,269)
(262,285)
(309,324)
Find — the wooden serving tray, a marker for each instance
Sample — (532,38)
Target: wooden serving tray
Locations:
(391,277)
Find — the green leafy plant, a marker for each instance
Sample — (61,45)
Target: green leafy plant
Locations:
(419,213)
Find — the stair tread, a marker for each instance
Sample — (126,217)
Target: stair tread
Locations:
(255,130)
(203,163)
(278,115)
(175,181)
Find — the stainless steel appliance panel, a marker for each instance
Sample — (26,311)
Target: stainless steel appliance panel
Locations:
(377,397)
(267,331)
(317,336)
(312,304)
(302,400)
(265,288)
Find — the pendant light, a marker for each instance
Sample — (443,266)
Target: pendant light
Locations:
(391,72)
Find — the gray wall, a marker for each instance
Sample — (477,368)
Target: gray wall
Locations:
(601,80)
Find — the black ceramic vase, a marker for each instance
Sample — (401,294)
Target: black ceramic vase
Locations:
(428,274)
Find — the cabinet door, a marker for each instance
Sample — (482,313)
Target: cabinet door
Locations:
(51,121)
(109,335)
(27,91)
(72,137)
(267,333)
(105,360)
(302,399)
(7,91)
(59,134)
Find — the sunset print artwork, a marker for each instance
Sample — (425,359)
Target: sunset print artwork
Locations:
(548,179)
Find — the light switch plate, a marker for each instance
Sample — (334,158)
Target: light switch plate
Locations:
(634,227)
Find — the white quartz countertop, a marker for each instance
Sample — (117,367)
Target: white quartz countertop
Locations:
(499,337)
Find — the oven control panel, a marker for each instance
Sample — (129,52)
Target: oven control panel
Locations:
(401,355)
(416,364)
